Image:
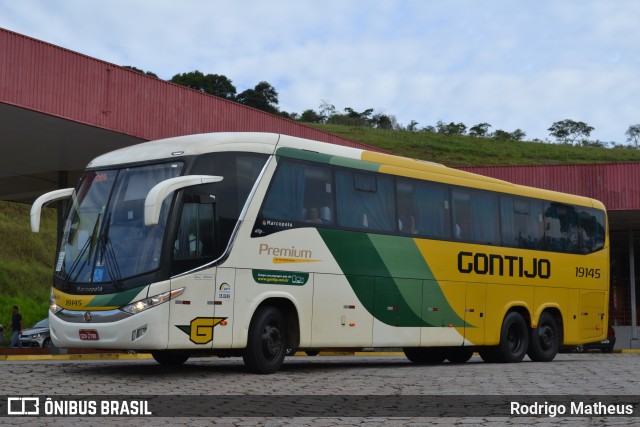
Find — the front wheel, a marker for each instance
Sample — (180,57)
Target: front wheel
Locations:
(544,340)
(266,343)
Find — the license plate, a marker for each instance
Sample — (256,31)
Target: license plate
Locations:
(88,335)
(605,342)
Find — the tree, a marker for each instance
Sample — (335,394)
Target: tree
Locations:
(480,130)
(213,84)
(382,121)
(352,117)
(310,116)
(412,126)
(327,110)
(633,134)
(263,97)
(451,128)
(502,134)
(516,135)
(138,70)
(568,131)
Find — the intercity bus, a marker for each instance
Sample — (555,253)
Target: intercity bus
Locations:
(258,245)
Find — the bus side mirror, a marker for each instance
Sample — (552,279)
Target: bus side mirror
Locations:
(45,199)
(155,197)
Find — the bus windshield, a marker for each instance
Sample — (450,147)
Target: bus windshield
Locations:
(104,237)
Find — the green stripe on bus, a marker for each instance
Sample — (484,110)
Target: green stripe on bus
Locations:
(115,300)
(312,156)
(391,279)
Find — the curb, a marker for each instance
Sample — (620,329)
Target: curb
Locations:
(145,356)
(99,356)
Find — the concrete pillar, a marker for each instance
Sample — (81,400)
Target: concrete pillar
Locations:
(635,343)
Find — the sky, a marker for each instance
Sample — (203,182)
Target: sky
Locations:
(515,64)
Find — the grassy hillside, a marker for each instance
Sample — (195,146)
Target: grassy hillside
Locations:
(470,151)
(26,263)
(26,259)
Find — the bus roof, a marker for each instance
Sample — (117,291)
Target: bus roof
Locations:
(267,143)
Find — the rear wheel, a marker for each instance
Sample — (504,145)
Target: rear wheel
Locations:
(266,344)
(514,339)
(170,357)
(544,340)
(425,356)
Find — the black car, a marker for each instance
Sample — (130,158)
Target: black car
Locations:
(605,346)
(36,336)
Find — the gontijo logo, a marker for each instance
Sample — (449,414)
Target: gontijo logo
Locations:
(507,265)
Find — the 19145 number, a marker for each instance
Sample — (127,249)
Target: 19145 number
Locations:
(584,272)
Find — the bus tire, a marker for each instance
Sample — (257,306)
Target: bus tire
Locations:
(488,355)
(514,339)
(267,341)
(170,357)
(459,354)
(425,356)
(544,341)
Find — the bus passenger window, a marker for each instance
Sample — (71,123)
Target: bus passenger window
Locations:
(297,190)
(365,201)
(475,215)
(522,222)
(424,209)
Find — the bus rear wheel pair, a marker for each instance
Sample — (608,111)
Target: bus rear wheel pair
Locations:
(541,343)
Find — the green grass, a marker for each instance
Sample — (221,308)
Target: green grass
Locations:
(27,259)
(470,151)
(26,264)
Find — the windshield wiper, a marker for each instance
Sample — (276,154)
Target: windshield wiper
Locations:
(88,244)
(107,255)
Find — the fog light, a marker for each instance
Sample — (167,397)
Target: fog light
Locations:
(138,333)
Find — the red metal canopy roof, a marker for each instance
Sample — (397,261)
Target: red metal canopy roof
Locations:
(617,185)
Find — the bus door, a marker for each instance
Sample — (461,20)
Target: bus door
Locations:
(192,313)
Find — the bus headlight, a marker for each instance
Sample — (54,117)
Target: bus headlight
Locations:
(53,305)
(144,304)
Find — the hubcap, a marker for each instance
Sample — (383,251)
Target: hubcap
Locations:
(547,337)
(271,341)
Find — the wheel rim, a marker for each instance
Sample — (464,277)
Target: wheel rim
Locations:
(546,337)
(271,341)
(514,338)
